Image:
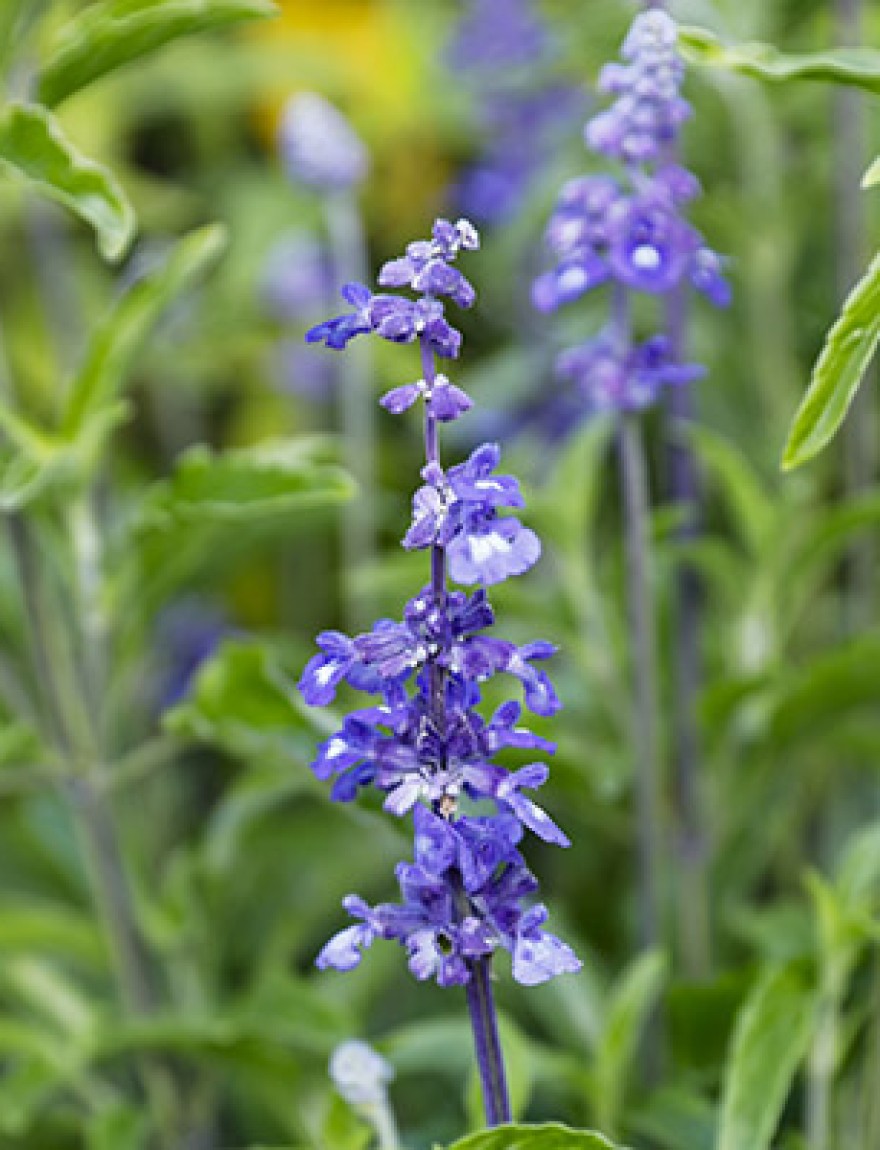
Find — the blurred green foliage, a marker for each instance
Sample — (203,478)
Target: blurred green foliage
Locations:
(168,865)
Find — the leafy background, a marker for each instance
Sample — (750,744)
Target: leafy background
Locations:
(168,865)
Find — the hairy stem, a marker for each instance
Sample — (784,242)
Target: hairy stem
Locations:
(634,481)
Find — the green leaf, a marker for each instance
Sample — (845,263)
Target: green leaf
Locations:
(16,17)
(771,1038)
(242,701)
(858,67)
(35,151)
(109,34)
(843,361)
(33,461)
(632,1001)
(812,700)
(120,1127)
(872,177)
(551,1136)
(118,340)
(739,483)
(218,504)
(59,932)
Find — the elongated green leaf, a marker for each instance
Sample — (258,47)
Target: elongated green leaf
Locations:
(872,177)
(858,67)
(118,340)
(771,1037)
(111,33)
(551,1136)
(849,348)
(739,484)
(34,150)
(819,695)
(632,1001)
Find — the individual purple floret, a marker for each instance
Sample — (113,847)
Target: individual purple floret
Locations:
(458,510)
(318,146)
(424,745)
(628,231)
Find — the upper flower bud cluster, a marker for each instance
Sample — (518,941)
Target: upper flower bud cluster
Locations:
(649,110)
(427,269)
(630,229)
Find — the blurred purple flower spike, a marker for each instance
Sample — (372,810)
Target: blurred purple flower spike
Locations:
(318,146)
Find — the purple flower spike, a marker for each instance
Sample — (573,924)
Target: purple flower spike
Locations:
(424,744)
(630,230)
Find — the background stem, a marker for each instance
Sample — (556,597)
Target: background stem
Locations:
(690,837)
(634,483)
(850,151)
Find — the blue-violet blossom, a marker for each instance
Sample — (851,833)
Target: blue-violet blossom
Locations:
(629,230)
(424,743)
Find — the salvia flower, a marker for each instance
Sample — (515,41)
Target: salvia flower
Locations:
(629,230)
(423,742)
(318,146)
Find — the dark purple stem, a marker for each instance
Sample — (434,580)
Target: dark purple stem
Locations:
(481,1003)
(635,498)
(484,1022)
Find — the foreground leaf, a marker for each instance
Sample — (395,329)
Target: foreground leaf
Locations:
(849,348)
(632,1001)
(549,1137)
(34,150)
(118,340)
(107,35)
(858,67)
(872,177)
(770,1040)
(218,505)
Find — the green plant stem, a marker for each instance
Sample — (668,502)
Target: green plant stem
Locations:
(356,412)
(820,1071)
(870,1105)
(634,482)
(851,155)
(67,714)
